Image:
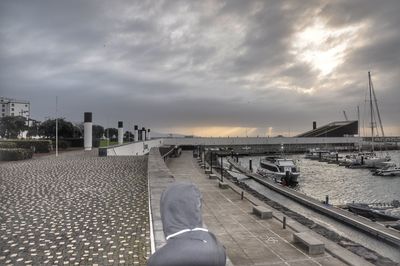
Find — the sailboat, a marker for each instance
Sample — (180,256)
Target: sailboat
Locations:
(372,159)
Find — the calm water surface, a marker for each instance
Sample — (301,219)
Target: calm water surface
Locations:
(342,184)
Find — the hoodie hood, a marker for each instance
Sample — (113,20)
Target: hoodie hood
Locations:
(180,207)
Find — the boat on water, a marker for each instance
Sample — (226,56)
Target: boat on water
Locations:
(316,154)
(377,211)
(282,170)
(368,160)
(389,169)
(372,159)
(348,159)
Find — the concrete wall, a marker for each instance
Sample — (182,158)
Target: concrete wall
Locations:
(159,177)
(134,148)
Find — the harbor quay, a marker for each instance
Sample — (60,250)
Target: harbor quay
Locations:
(74,209)
(248,239)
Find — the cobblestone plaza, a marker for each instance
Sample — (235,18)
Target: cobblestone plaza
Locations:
(74,209)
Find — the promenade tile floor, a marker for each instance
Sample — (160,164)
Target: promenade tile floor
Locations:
(77,209)
(247,239)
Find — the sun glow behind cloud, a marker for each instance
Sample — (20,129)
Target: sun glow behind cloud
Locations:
(322,47)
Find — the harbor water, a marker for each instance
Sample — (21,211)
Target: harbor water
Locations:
(343,185)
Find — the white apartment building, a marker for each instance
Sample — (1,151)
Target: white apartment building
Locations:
(13,107)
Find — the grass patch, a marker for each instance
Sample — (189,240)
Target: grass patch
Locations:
(105,143)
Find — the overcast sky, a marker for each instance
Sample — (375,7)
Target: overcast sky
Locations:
(203,67)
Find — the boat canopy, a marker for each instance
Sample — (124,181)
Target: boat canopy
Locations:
(284,162)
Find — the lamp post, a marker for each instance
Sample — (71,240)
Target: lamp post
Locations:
(211,161)
(222,170)
(56,126)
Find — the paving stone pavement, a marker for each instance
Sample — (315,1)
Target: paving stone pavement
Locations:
(77,209)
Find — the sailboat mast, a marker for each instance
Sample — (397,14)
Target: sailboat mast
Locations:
(358,120)
(371,109)
(358,126)
(377,109)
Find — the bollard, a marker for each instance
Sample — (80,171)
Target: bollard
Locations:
(250,165)
(327,199)
(284,222)
(337,157)
(242,195)
(222,170)
(320,156)
(362,160)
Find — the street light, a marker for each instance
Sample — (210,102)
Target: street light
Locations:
(56,126)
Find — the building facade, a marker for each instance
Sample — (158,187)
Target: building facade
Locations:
(13,107)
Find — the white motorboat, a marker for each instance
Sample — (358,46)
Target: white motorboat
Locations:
(316,154)
(348,159)
(371,160)
(390,169)
(283,170)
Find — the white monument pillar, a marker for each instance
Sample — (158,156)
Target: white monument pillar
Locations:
(136,132)
(143,134)
(87,131)
(148,134)
(120,132)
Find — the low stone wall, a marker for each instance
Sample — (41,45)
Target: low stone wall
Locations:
(131,149)
(159,177)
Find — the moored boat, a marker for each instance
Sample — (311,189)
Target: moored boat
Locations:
(283,170)
(369,160)
(316,154)
(377,211)
(390,169)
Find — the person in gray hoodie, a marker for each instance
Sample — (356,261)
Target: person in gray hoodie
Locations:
(188,243)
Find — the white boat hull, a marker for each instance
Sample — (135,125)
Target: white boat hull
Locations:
(395,172)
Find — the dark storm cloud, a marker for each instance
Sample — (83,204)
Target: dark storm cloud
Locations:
(171,64)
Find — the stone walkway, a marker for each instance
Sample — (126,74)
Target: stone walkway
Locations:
(248,240)
(74,209)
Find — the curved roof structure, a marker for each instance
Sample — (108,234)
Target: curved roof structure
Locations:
(334,129)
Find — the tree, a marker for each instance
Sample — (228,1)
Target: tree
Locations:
(12,126)
(97,131)
(33,129)
(78,131)
(111,133)
(48,128)
(128,136)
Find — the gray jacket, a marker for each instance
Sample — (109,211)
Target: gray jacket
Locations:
(187,242)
